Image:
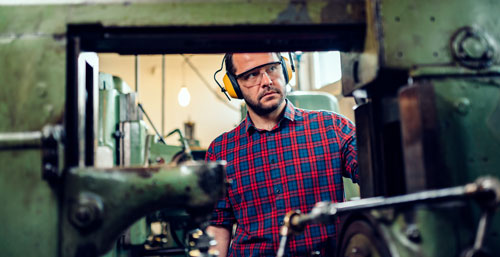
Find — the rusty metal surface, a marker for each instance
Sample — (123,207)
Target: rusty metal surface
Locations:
(419,131)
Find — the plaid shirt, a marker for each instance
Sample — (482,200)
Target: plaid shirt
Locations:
(298,163)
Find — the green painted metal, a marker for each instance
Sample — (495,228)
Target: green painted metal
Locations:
(159,152)
(136,192)
(52,19)
(23,195)
(428,28)
(30,98)
(435,234)
(108,116)
(468,108)
(138,131)
(314,100)
(32,90)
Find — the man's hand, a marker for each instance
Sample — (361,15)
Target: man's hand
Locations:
(223,237)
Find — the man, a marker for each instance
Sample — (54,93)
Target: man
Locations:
(280,158)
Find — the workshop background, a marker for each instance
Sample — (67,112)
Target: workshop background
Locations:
(209,110)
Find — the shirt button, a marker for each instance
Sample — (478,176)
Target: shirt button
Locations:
(278,191)
(282,223)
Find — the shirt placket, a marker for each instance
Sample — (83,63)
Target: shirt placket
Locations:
(277,185)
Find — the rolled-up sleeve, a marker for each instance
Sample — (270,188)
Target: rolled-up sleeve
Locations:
(349,150)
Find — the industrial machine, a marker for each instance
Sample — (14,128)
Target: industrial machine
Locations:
(427,134)
(425,75)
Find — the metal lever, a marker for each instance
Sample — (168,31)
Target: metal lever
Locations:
(151,122)
(484,221)
(184,142)
(285,232)
(485,190)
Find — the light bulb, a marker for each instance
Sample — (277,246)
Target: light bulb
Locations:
(184,97)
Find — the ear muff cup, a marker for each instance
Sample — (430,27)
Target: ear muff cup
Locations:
(287,69)
(233,88)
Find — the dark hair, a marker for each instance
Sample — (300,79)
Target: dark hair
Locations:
(229,62)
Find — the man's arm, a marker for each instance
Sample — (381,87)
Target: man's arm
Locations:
(347,133)
(223,237)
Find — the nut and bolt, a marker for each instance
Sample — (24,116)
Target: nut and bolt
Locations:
(86,211)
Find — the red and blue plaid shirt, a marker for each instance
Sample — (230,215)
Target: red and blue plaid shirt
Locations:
(298,163)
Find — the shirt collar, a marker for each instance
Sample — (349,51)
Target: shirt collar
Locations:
(289,115)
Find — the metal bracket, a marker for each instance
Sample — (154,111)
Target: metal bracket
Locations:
(52,147)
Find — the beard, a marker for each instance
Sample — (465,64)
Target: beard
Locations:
(259,108)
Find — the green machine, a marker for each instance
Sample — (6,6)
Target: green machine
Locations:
(427,87)
(425,75)
(123,141)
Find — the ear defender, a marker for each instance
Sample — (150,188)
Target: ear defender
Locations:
(288,69)
(233,88)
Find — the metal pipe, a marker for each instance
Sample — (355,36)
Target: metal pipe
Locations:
(137,75)
(482,229)
(151,122)
(21,140)
(162,95)
(325,211)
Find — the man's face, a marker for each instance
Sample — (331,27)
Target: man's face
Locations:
(261,80)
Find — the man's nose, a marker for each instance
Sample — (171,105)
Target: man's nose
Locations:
(265,80)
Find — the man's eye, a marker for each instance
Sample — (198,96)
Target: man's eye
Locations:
(273,68)
(252,75)
(245,77)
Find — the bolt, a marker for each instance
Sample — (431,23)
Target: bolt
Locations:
(118,134)
(462,105)
(413,234)
(83,215)
(87,211)
(474,47)
(41,89)
(489,53)
(49,171)
(48,167)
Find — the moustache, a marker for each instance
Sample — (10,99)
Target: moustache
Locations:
(270,90)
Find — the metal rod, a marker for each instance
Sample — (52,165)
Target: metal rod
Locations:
(183,140)
(151,122)
(137,75)
(283,242)
(325,211)
(481,230)
(163,95)
(382,202)
(16,140)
